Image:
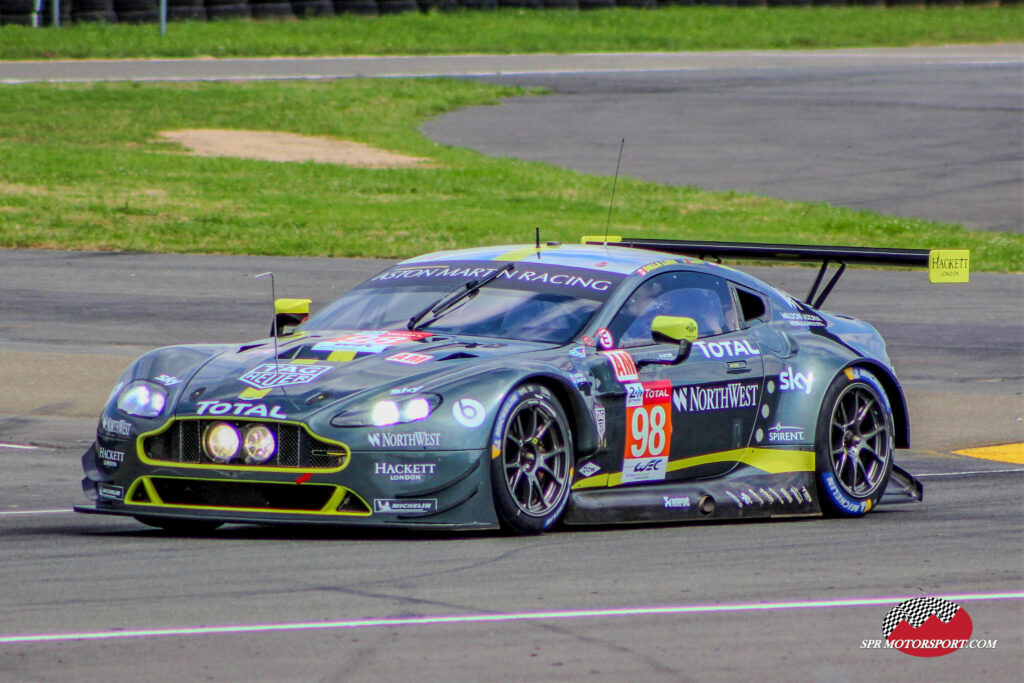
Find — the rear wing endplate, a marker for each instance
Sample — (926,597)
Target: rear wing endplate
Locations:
(944,265)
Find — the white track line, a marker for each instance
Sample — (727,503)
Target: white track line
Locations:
(486,618)
(19,445)
(34,512)
(962,474)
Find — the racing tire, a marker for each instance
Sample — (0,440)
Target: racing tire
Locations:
(531,460)
(183,527)
(853,445)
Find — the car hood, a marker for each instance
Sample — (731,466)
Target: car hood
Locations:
(313,371)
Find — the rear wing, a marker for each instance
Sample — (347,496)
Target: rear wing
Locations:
(944,265)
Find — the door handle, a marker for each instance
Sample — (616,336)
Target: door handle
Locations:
(737,367)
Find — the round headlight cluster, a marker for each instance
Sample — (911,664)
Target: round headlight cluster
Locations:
(142,399)
(223,442)
(389,411)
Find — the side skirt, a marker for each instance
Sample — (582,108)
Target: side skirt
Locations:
(737,497)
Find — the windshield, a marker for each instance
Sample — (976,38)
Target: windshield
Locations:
(532,303)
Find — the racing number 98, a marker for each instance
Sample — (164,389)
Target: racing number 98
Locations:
(647,425)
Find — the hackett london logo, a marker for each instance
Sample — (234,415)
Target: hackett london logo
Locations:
(271,375)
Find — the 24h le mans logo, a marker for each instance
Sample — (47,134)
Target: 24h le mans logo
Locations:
(271,375)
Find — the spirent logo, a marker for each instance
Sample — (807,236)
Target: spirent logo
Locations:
(272,375)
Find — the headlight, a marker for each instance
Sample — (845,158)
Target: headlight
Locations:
(142,399)
(389,411)
(221,442)
(259,444)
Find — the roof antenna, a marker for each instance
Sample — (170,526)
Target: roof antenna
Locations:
(608,224)
(273,324)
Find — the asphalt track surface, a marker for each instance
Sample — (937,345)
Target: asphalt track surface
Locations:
(94,597)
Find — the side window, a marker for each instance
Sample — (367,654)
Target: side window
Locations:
(751,306)
(705,298)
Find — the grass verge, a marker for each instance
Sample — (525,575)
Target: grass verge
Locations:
(512,31)
(83,168)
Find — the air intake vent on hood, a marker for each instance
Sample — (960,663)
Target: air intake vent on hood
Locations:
(457,355)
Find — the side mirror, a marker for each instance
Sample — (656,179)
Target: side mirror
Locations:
(289,313)
(668,329)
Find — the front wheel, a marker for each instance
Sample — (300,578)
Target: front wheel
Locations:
(853,444)
(531,460)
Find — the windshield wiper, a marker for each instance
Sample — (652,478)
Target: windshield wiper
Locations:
(445,303)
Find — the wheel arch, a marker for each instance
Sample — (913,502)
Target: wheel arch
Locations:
(894,395)
(584,431)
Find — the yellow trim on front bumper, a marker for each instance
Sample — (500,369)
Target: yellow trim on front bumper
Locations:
(330,508)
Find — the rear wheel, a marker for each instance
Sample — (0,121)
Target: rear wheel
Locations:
(854,444)
(531,463)
(183,527)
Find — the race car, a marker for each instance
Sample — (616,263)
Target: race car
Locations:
(519,387)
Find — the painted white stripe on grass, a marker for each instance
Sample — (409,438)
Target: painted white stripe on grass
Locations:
(488,618)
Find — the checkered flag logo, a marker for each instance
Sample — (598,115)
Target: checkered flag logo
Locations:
(916,611)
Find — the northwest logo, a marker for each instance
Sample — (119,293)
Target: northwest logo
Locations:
(411,440)
(701,398)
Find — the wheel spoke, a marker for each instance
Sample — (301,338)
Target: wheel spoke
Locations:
(551,473)
(543,429)
(536,494)
(862,413)
(841,462)
(843,418)
(516,480)
(871,434)
(859,475)
(879,461)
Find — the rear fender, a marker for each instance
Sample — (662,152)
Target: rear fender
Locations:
(894,393)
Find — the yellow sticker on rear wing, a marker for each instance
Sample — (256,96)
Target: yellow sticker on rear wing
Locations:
(949,265)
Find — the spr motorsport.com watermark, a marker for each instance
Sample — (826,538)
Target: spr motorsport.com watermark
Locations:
(927,627)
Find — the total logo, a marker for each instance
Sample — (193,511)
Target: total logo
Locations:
(241,409)
(728,348)
(790,380)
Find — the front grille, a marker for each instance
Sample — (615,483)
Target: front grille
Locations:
(238,494)
(182,443)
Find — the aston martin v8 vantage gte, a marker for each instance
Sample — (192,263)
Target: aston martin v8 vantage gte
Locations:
(519,387)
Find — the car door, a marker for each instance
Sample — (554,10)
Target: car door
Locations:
(677,415)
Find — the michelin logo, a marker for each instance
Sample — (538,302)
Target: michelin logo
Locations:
(400,506)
